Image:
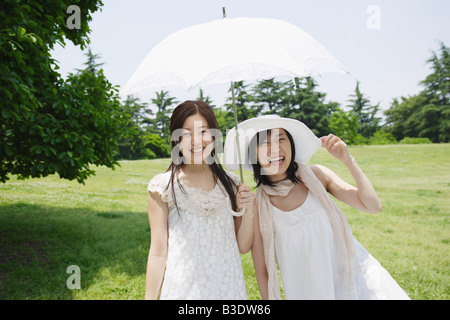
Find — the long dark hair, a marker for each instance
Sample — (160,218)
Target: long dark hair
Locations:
(257,169)
(179,116)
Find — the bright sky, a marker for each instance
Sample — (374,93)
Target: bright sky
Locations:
(384,44)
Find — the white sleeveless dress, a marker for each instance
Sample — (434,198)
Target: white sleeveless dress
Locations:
(305,253)
(203,259)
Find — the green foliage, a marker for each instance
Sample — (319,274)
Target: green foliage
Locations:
(269,96)
(402,118)
(132,146)
(303,102)
(155,145)
(49,125)
(161,123)
(365,112)
(426,114)
(344,125)
(243,104)
(409,140)
(382,137)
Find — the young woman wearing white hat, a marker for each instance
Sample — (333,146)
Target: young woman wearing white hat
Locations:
(297,224)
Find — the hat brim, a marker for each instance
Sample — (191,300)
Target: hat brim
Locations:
(306,142)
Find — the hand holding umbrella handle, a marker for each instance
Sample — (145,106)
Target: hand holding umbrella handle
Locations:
(234,213)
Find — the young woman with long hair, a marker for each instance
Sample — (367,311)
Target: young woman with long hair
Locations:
(196,234)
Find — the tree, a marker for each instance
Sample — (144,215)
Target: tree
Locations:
(161,124)
(306,104)
(243,104)
(366,113)
(207,99)
(427,114)
(435,116)
(91,63)
(345,126)
(49,125)
(437,84)
(269,95)
(132,146)
(402,117)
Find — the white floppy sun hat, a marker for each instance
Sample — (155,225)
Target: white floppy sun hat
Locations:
(305,141)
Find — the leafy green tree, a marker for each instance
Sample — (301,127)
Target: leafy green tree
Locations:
(48,125)
(402,118)
(155,146)
(345,126)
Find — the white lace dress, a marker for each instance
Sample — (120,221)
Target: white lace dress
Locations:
(203,259)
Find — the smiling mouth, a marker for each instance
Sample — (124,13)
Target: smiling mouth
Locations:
(277,161)
(197,151)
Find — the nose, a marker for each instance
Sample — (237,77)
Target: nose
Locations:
(197,140)
(272,149)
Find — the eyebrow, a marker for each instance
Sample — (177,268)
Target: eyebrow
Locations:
(194,129)
(276,135)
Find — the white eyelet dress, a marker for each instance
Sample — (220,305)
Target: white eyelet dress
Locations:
(203,259)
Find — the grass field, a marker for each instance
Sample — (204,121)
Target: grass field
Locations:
(49,224)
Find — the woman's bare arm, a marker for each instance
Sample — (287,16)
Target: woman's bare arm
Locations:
(156,264)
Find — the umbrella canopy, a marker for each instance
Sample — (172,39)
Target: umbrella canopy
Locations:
(228,50)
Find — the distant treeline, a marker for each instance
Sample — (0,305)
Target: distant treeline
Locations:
(421,118)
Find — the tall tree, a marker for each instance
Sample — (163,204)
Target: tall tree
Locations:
(435,116)
(243,104)
(161,123)
(205,98)
(366,113)
(305,103)
(132,146)
(426,114)
(402,117)
(269,96)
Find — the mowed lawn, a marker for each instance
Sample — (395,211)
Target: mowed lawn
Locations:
(49,224)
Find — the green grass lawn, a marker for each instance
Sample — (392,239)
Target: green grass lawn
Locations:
(49,224)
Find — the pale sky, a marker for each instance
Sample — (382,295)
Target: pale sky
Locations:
(384,44)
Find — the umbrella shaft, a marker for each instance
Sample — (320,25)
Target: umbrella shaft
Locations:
(237,133)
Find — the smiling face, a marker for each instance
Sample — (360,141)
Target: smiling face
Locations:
(274,153)
(196,140)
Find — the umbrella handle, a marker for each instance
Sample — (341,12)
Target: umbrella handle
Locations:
(234,213)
